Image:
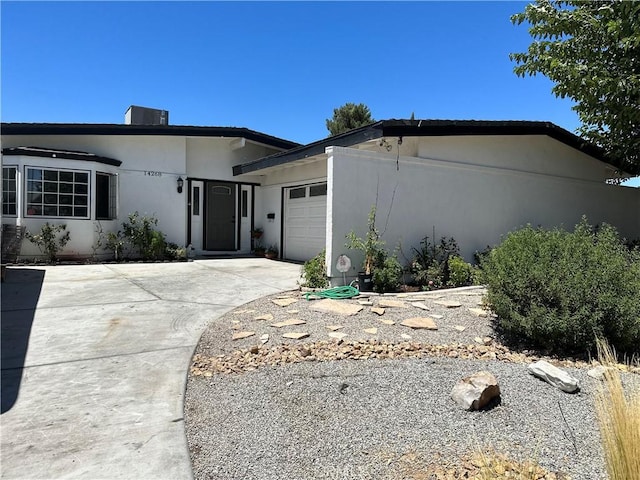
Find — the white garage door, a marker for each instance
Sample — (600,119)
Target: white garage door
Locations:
(305,221)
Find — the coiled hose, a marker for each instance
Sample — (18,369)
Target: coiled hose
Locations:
(336,293)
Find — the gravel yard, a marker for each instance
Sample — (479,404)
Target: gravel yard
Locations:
(289,415)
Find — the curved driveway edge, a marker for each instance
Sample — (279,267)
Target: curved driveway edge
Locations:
(95,359)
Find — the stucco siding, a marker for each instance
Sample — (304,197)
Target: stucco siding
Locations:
(474,204)
(214,158)
(524,153)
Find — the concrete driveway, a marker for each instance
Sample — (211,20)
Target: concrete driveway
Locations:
(95,359)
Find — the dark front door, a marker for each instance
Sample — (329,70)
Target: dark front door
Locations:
(221,216)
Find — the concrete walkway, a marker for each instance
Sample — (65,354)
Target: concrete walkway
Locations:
(95,359)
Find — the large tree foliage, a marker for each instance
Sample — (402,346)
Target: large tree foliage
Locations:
(348,117)
(591,51)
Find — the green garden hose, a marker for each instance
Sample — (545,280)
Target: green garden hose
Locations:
(336,293)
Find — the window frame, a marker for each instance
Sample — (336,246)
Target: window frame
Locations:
(58,182)
(15,190)
(112,196)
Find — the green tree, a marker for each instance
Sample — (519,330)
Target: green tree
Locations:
(591,51)
(348,117)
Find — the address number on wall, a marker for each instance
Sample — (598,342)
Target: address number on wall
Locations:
(152,174)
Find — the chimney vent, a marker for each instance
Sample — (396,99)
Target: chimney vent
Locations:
(145,116)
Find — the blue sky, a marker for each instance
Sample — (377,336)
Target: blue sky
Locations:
(279,68)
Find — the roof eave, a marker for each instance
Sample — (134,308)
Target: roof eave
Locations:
(122,129)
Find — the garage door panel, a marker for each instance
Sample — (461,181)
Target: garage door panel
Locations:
(305,224)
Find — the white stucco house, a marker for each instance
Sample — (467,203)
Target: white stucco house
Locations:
(471,180)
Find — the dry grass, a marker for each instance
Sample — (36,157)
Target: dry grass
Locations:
(480,465)
(619,419)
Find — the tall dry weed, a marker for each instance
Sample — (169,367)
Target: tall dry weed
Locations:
(618,413)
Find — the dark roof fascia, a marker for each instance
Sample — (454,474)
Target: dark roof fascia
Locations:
(160,130)
(64,154)
(425,128)
(352,137)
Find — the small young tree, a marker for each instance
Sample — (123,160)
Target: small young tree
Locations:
(348,117)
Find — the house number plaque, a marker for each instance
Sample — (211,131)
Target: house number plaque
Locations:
(152,174)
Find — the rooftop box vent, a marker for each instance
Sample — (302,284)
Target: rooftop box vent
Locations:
(145,116)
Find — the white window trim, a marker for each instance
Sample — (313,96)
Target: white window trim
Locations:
(40,167)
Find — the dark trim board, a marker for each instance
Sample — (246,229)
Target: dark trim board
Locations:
(238,217)
(198,179)
(63,154)
(162,130)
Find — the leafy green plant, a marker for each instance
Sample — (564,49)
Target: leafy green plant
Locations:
(140,232)
(386,271)
(115,243)
(271,251)
(387,276)
(371,246)
(48,240)
(460,272)
(561,290)
(314,272)
(430,265)
(173,251)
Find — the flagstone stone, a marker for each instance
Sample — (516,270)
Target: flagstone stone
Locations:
(337,307)
(372,331)
(241,335)
(420,322)
(296,335)
(392,303)
(448,303)
(267,317)
(337,335)
(333,328)
(284,302)
(420,305)
(479,312)
(377,310)
(288,323)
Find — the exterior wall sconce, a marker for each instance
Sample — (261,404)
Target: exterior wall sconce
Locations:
(180,184)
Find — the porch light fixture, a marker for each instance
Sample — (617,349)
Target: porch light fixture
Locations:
(180,184)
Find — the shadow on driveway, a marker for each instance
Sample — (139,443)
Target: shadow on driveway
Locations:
(20,293)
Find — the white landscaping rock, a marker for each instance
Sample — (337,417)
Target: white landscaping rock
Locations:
(476,391)
(554,376)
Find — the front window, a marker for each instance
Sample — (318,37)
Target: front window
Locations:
(9,187)
(106,195)
(57,193)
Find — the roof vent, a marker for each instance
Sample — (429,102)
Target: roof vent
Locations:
(145,116)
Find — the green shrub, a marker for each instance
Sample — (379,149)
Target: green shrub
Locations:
(387,276)
(561,291)
(174,251)
(431,264)
(460,272)
(47,240)
(140,232)
(314,272)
